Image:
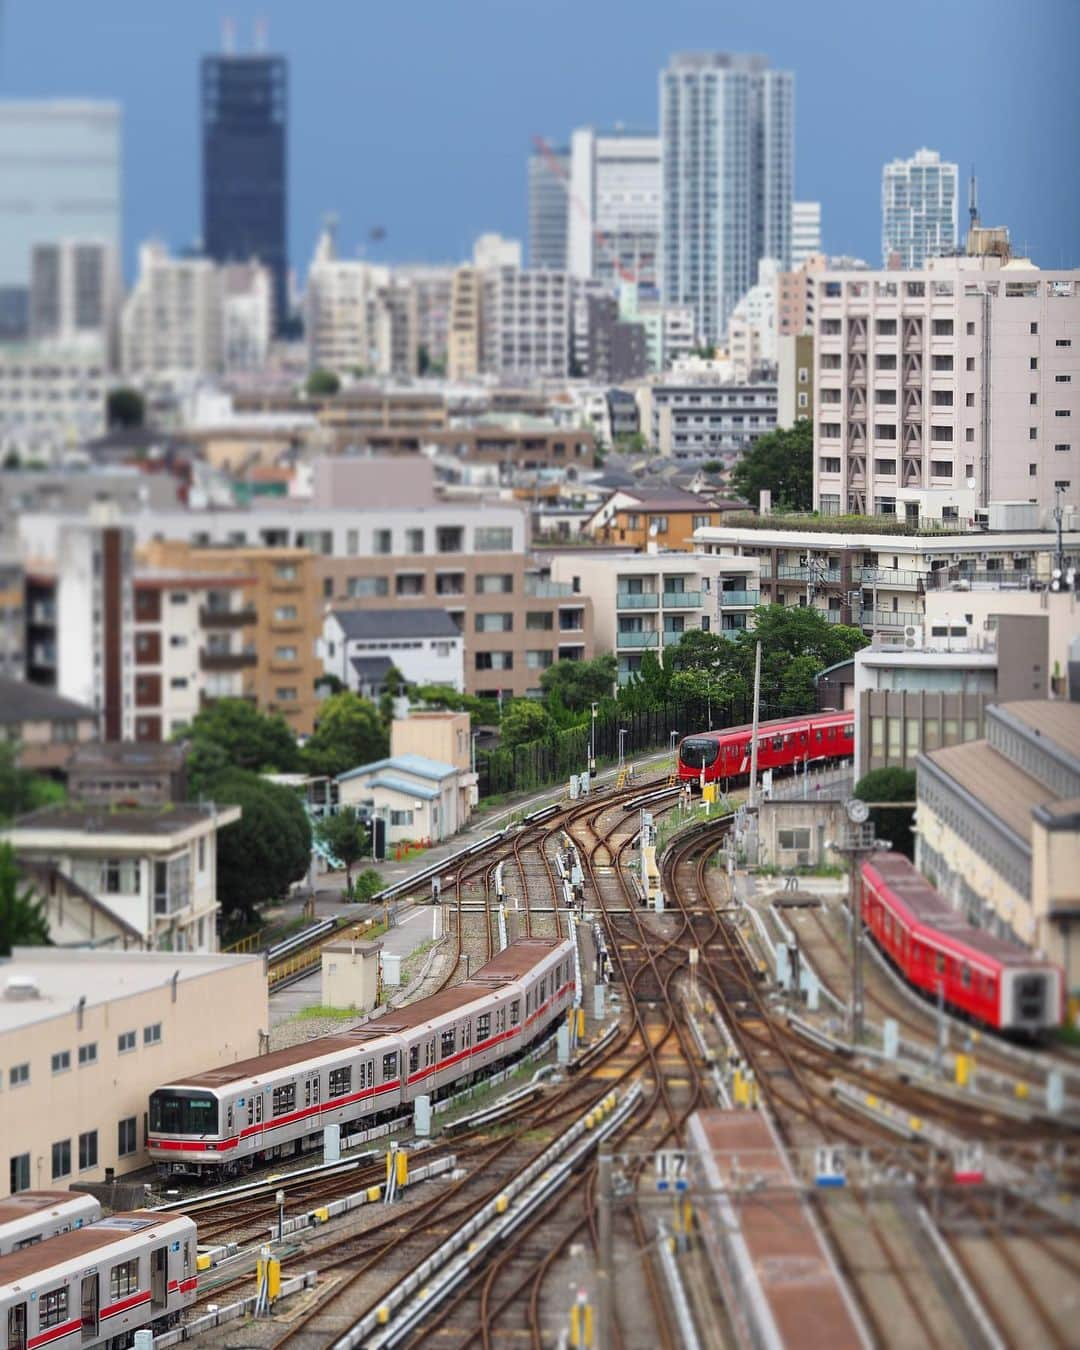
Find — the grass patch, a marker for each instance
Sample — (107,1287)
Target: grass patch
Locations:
(410,967)
(1069,1035)
(320,1010)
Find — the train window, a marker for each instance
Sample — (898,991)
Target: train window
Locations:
(414,1061)
(53,1308)
(251,1110)
(849,730)
(315,1088)
(446,1044)
(515,1012)
(124,1279)
(778,743)
(466,1035)
(229,1117)
(500,1019)
(965,976)
(483,1027)
(187,1258)
(389,1065)
(939,963)
(340,1081)
(429,1053)
(543,989)
(283,1099)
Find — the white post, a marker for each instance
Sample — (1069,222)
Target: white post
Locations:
(752,799)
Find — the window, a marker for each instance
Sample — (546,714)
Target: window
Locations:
(61,1159)
(969,363)
(53,1308)
(494,583)
(1062,447)
(449,539)
(61,1061)
(515,1012)
(414,541)
(884,362)
(125,1042)
(539,660)
(1033,400)
(124,1279)
(658,524)
(389,1065)
(1034,329)
(87,1150)
(940,468)
(1063,342)
(885,327)
(151,1035)
(401,818)
(87,1054)
(19,1075)
(945,363)
(885,431)
(284,653)
(483,1027)
(285,613)
(969,435)
(447,1043)
(1033,433)
(793,839)
(178,598)
(409,583)
(283,1099)
(1062,412)
(1033,470)
(414,1058)
(450,583)
(381,541)
(1062,379)
(340,1082)
(493,539)
(126,1137)
(885,396)
(358,588)
(1033,363)
(19,1173)
(941,433)
(286,572)
(943,328)
(495,623)
(885,467)
(539,621)
(971,330)
(942,398)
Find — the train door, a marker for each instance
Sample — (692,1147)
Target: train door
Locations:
(159,1278)
(16,1327)
(90,1307)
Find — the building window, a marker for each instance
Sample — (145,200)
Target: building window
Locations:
(945,363)
(494,583)
(1062,412)
(87,1054)
(414,541)
(381,541)
(409,583)
(152,1034)
(1063,342)
(793,839)
(1033,470)
(493,539)
(539,660)
(285,614)
(494,623)
(401,818)
(19,1075)
(1033,433)
(969,363)
(61,1061)
(969,433)
(19,1173)
(543,621)
(1062,379)
(1033,363)
(125,1042)
(943,328)
(449,539)
(285,654)
(61,1159)
(358,588)
(1063,447)
(494,660)
(87,1150)
(940,468)
(126,1137)
(885,327)
(286,572)
(941,433)
(885,467)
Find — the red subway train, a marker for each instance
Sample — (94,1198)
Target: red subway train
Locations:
(986,978)
(716,756)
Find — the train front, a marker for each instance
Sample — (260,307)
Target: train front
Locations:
(185,1130)
(697,758)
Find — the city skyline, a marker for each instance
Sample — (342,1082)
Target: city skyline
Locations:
(475,168)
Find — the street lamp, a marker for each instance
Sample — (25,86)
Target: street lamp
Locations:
(592,742)
(623,731)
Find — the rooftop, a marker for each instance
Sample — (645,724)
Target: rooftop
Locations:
(1006,792)
(419,765)
(22,702)
(63,975)
(132,821)
(129,755)
(1056,720)
(374,625)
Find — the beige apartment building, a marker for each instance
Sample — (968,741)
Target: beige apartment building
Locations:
(939,392)
(87,1035)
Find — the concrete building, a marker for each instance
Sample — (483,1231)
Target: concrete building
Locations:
(938,393)
(549,172)
(805,231)
(51,399)
(727,153)
(647,601)
(124,773)
(463,337)
(172,319)
(424,645)
(419,797)
(493,251)
(247,319)
(794,380)
(615,347)
(12,622)
(613,222)
(431,285)
(665,518)
(86,1036)
(75,288)
(525,323)
(752,328)
(704,419)
(154,868)
(918,210)
(340,310)
(999,826)
(670,331)
(46,728)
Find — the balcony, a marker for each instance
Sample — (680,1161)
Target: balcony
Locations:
(673,636)
(819,575)
(889,618)
(631,600)
(227,618)
(682,599)
(226,661)
(734,599)
(892,578)
(650,639)
(548,590)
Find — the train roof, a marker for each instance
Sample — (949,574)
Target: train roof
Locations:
(512,963)
(80,1242)
(36,1202)
(745,728)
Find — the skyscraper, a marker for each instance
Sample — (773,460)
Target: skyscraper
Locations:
(549,171)
(805,231)
(613,227)
(918,209)
(244,133)
(727,161)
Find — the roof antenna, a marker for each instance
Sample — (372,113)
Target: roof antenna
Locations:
(228,37)
(973,201)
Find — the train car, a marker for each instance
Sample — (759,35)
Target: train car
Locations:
(97,1285)
(231,1117)
(783,744)
(35,1216)
(985,978)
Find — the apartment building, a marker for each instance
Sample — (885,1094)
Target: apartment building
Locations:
(805,231)
(247,315)
(340,308)
(463,337)
(524,322)
(880,581)
(359,647)
(645,602)
(613,227)
(12,622)
(918,209)
(51,397)
(431,285)
(663,518)
(703,420)
(172,319)
(46,728)
(670,331)
(939,392)
(794,379)
(75,291)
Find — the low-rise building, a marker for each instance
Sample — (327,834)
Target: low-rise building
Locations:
(425,645)
(999,826)
(154,867)
(12,623)
(50,398)
(664,517)
(86,1036)
(705,419)
(45,727)
(418,797)
(446,737)
(125,773)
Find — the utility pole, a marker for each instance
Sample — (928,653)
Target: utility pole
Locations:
(858,842)
(605,1264)
(752,800)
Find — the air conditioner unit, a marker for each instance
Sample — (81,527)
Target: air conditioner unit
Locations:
(913,635)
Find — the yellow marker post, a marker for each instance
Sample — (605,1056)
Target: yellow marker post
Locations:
(402,1168)
(581,1024)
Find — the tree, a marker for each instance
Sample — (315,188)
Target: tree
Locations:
(891,823)
(266,850)
(716,690)
(393,688)
(789,633)
(344,836)
(647,688)
(348,733)
(713,466)
(322,384)
(125,408)
(525,720)
(21,790)
(248,739)
(442,696)
(782,461)
(581,683)
(22,915)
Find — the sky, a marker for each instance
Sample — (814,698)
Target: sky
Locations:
(418,117)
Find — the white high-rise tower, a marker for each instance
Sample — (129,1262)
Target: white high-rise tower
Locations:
(918,209)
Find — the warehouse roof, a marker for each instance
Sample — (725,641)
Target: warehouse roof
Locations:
(1056,721)
(994,782)
(375,625)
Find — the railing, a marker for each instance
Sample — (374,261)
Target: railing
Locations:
(227,618)
(808,573)
(548,590)
(673,635)
(634,600)
(251,943)
(739,598)
(209,660)
(638,639)
(895,577)
(889,618)
(945,578)
(682,599)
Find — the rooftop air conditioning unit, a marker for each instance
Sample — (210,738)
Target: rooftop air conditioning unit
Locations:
(19,988)
(913,635)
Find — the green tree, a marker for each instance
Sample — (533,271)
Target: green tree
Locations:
(788,634)
(782,461)
(713,466)
(248,738)
(891,823)
(367,885)
(581,683)
(322,384)
(525,720)
(21,790)
(125,408)
(343,835)
(266,850)
(715,690)
(648,686)
(22,915)
(348,733)
(393,688)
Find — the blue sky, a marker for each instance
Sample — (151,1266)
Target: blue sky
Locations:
(418,116)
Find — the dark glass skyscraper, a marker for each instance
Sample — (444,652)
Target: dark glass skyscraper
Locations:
(245,129)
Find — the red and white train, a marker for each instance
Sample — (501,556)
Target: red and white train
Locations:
(718,756)
(35,1216)
(231,1117)
(984,977)
(97,1285)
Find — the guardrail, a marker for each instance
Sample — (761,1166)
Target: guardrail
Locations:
(299,940)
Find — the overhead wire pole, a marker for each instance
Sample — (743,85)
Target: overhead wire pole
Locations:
(751,801)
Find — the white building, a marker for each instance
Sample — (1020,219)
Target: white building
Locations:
(247,314)
(613,217)
(493,250)
(918,209)
(805,231)
(339,314)
(524,322)
(727,147)
(419,798)
(669,329)
(51,399)
(155,868)
(75,296)
(704,418)
(360,645)
(752,328)
(941,391)
(172,321)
